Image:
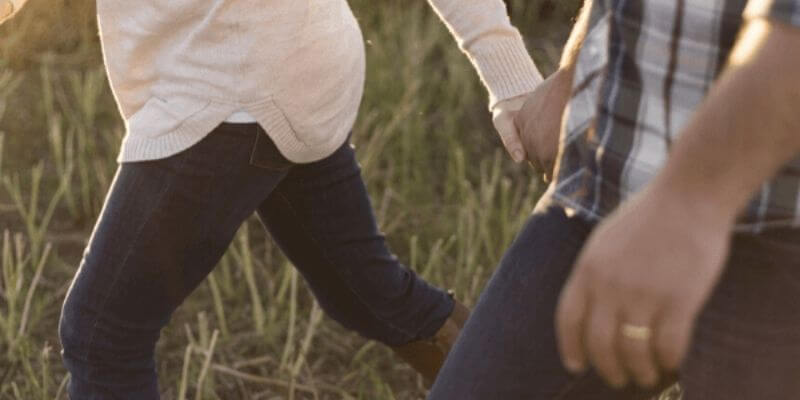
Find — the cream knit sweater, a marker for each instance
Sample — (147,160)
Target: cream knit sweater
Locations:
(180,67)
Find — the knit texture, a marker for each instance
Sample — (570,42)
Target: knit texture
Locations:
(483,31)
(178,68)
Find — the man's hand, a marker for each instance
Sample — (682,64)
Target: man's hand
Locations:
(630,304)
(539,120)
(644,274)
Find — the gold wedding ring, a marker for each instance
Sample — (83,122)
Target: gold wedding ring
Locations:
(636,332)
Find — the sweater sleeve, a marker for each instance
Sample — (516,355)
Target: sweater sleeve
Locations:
(484,32)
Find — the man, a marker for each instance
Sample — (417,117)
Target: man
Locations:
(286,76)
(668,245)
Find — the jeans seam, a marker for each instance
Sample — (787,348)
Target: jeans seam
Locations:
(110,290)
(325,257)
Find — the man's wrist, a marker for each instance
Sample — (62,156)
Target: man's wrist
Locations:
(712,208)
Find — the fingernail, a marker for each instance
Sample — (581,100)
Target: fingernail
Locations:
(517,155)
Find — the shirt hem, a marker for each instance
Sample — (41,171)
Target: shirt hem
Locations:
(741,227)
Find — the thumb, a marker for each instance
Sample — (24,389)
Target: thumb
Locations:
(509,135)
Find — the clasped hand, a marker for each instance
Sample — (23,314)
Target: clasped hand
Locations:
(629,307)
(530,125)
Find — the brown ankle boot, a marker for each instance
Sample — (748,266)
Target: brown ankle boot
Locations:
(426,356)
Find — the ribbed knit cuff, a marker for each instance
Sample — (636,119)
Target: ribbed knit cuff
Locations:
(505,67)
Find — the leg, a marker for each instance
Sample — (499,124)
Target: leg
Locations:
(321,217)
(508,349)
(164,225)
(747,341)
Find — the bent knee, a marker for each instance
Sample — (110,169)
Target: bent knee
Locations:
(89,335)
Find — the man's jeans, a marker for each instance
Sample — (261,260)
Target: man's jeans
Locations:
(746,343)
(166,223)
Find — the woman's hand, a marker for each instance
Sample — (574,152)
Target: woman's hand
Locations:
(503,116)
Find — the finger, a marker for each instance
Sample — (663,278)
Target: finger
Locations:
(600,337)
(510,137)
(674,334)
(570,315)
(637,354)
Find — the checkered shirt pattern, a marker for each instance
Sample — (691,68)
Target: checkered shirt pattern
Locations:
(644,68)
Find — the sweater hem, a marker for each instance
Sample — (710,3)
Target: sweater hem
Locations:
(137,146)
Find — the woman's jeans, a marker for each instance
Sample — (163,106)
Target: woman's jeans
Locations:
(166,223)
(746,343)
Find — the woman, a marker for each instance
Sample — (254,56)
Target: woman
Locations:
(235,107)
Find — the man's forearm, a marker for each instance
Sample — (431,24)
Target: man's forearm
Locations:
(747,128)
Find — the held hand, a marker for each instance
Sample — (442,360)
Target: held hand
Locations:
(539,120)
(637,286)
(503,116)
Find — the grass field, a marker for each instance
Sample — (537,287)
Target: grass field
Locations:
(446,195)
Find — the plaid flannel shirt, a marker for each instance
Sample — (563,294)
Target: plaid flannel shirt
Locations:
(644,68)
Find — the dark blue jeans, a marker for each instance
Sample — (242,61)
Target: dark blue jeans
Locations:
(746,344)
(166,223)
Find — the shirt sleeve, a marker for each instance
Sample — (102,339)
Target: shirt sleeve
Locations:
(786,11)
(484,32)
